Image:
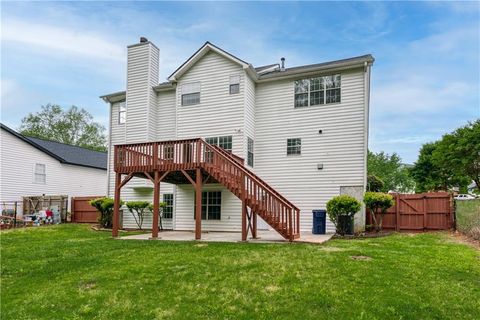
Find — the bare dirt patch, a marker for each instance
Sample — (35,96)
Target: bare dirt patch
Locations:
(360,258)
(461,238)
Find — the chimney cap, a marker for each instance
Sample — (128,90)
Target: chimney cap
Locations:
(143,40)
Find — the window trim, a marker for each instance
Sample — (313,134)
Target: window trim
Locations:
(122,109)
(299,146)
(207,205)
(188,89)
(250,152)
(36,174)
(234,83)
(324,90)
(170,206)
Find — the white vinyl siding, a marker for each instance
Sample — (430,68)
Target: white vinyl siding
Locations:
(18,177)
(340,147)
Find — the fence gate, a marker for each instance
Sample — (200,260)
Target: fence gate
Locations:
(82,211)
(419,212)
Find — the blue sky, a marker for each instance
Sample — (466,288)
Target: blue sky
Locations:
(425,78)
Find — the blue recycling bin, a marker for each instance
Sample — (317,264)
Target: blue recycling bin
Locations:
(319,221)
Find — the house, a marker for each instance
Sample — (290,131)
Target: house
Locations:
(36,167)
(301,133)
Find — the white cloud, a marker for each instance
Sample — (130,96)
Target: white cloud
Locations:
(61,40)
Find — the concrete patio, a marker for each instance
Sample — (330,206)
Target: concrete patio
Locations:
(264,236)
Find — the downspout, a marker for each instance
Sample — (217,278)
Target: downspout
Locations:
(109,148)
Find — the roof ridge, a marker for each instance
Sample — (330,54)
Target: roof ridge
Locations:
(65,144)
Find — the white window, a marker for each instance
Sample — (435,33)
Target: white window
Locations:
(122,113)
(40,174)
(317,91)
(234,84)
(190,93)
(224,142)
(250,152)
(168,209)
(294,146)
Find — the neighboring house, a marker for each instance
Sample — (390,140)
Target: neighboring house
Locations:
(303,130)
(34,167)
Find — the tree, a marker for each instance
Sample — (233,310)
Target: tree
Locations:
(138,210)
(105,207)
(378,203)
(340,210)
(452,161)
(73,126)
(391,171)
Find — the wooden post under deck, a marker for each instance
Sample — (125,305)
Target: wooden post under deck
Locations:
(254,227)
(156,204)
(244,209)
(116,206)
(198,205)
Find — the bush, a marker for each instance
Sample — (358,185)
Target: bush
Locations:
(340,210)
(105,207)
(468,218)
(138,210)
(374,183)
(378,203)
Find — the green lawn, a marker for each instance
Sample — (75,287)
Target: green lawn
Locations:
(72,272)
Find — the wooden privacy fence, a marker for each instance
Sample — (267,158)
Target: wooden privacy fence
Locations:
(82,211)
(419,212)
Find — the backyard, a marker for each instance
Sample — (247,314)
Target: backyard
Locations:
(73,272)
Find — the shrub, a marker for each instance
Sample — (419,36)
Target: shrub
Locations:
(340,210)
(138,210)
(105,207)
(378,203)
(374,183)
(468,218)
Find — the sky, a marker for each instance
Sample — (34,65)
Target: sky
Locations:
(425,79)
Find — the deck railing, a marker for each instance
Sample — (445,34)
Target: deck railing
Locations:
(225,167)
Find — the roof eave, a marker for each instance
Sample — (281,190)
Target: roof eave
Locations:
(114,97)
(317,69)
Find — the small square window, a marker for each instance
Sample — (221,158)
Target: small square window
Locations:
(294,146)
(234,88)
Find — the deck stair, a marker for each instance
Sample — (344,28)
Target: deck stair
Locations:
(258,197)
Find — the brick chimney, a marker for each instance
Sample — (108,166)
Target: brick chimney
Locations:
(142,76)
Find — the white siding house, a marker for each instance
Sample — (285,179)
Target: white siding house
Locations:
(33,167)
(303,130)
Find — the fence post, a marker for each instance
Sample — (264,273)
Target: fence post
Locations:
(15,216)
(397,212)
(424,213)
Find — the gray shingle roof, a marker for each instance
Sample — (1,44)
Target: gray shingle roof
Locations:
(65,153)
(73,154)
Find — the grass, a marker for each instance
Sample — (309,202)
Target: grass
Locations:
(468,217)
(72,272)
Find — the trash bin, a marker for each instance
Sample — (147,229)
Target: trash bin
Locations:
(319,221)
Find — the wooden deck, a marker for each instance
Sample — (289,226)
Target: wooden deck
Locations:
(197,162)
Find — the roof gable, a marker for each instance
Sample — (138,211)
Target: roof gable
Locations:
(207,47)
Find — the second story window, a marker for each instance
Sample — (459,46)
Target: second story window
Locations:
(294,146)
(122,113)
(250,152)
(224,142)
(234,84)
(190,93)
(317,91)
(40,173)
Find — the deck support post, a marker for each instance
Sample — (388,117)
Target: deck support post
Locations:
(244,209)
(254,226)
(198,204)
(116,205)
(156,204)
